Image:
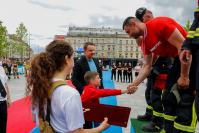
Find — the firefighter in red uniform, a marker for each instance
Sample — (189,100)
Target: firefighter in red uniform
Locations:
(155,84)
(164,37)
(145,15)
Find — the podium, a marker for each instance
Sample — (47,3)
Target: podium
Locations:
(136,125)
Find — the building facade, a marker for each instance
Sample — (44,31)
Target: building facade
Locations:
(110,43)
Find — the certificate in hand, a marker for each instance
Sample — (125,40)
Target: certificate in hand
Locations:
(116,115)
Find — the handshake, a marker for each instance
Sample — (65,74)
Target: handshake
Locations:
(130,89)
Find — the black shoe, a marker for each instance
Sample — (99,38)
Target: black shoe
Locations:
(144,117)
(151,128)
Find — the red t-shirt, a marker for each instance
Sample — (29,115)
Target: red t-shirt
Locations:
(156,35)
(92,94)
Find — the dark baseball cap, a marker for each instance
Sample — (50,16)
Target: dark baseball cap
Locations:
(140,13)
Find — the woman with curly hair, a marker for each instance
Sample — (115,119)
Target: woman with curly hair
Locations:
(66,113)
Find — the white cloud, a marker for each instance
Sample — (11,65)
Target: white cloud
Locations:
(45,18)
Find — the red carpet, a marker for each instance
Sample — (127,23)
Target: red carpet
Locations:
(20,117)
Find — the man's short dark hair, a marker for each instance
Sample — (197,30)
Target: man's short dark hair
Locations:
(90,75)
(87,44)
(140,13)
(127,21)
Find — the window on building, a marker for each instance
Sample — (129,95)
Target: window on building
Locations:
(102,40)
(91,40)
(120,47)
(126,41)
(96,40)
(126,55)
(109,47)
(126,48)
(120,41)
(74,41)
(131,55)
(131,48)
(113,47)
(120,55)
(131,41)
(102,47)
(136,49)
(137,55)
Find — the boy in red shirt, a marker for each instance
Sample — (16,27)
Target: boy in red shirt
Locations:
(91,93)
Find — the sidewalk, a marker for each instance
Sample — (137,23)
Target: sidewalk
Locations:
(17,87)
(136,101)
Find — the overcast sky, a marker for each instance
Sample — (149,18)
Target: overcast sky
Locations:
(45,18)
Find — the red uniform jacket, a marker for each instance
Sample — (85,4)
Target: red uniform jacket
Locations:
(92,94)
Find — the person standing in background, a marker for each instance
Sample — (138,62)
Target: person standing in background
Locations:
(125,70)
(137,69)
(5,66)
(86,63)
(15,70)
(130,75)
(119,72)
(113,71)
(9,68)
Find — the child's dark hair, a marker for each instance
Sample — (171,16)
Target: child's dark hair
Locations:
(90,75)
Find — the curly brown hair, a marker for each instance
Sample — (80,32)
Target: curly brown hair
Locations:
(43,67)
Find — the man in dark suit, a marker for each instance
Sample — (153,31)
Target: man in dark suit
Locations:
(84,64)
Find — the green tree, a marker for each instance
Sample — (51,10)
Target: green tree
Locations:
(188,25)
(22,32)
(3,40)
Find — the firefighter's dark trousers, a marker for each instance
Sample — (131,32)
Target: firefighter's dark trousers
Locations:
(178,117)
(196,62)
(148,94)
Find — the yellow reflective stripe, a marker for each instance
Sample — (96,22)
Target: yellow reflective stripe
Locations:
(149,107)
(158,114)
(162,131)
(188,36)
(194,116)
(197,34)
(184,128)
(169,117)
(191,34)
(197,10)
(157,127)
(190,128)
